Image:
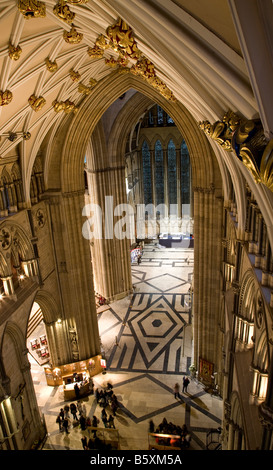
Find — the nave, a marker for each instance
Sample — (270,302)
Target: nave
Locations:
(147,341)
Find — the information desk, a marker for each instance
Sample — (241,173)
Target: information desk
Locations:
(67,375)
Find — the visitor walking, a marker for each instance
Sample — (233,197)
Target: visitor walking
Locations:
(111,422)
(66,424)
(59,420)
(73,410)
(104,417)
(176,391)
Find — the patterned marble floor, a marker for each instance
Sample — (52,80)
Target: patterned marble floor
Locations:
(147,341)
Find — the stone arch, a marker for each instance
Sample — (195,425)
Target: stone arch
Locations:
(155,138)
(261,356)
(247,293)
(48,306)
(17,337)
(18,240)
(104,94)
(236,437)
(17,258)
(171,136)
(51,313)
(21,388)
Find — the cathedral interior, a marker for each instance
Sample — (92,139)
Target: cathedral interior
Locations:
(136,218)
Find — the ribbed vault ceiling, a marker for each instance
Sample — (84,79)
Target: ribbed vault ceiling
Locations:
(193,47)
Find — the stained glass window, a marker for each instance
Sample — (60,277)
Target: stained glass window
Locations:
(159,115)
(147,174)
(172,173)
(159,173)
(185,174)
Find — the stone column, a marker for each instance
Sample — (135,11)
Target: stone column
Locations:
(8,285)
(230,436)
(111,253)
(178,179)
(208,210)
(165,166)
(75,281)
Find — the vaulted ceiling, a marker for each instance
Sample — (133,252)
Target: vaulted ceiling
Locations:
(47,67)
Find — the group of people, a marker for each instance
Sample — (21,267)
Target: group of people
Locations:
(106,397)
(183,435)
(96,444)
(75,413)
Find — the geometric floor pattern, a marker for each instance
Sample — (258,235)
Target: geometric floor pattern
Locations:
(147,341)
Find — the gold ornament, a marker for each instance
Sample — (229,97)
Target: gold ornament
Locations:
(62,11)
(120,36)
(72,36)
(95,52)
(77,2)
(32,8)
(51,65)
(14,52)
(75,76)
(144,67)
(67,106)
(26,135)
(111,62)
(5,97)
(36,103)
(58,106)
(85,90)
(101,42)
(246,139)
(92,82)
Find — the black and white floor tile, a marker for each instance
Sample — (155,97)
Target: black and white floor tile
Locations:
(147,341)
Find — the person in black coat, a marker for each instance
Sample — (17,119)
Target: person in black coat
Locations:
(73,410)
(84,442)
(83,423)
(77,391)
(65,425)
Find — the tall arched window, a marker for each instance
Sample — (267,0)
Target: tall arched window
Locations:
(147,173)
(159,116)
(172,184)
(159,173)
(185,174)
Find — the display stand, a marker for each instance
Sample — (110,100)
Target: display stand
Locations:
(39,349)
(77,372)
(164,441)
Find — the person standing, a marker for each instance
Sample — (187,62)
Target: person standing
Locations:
(176,391)
(104,417)
(95,423)
(59,420)
(185,384)
(66,424)
(77,391)
(84,442)
(111,422)
(73,410)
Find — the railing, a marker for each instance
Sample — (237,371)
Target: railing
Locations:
(213,439)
